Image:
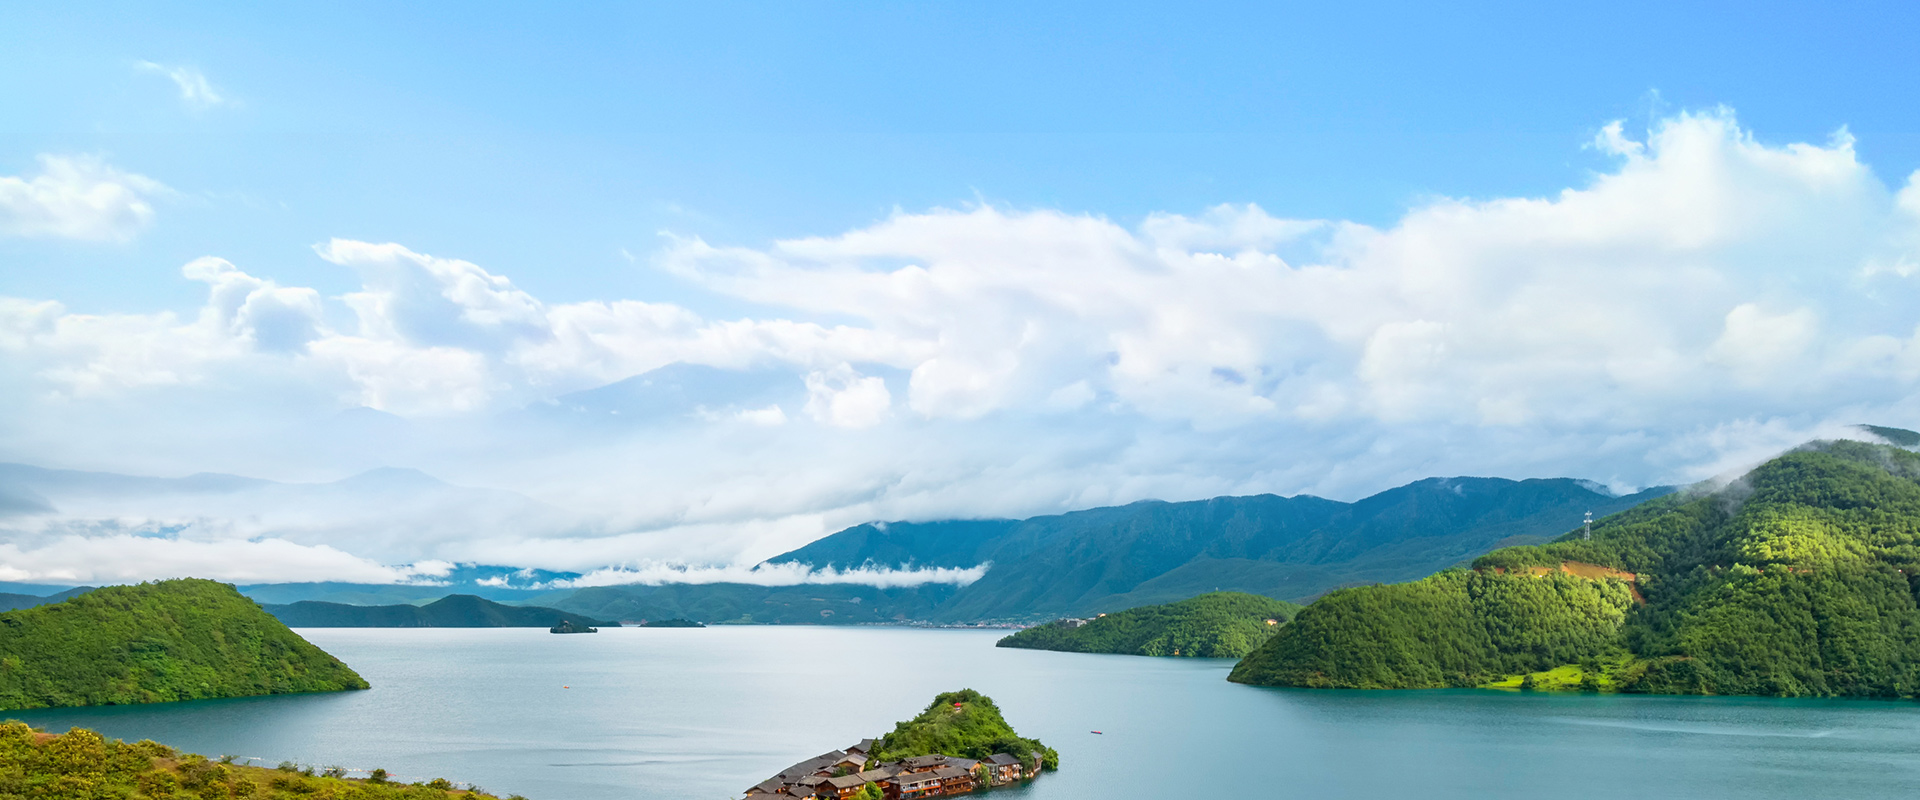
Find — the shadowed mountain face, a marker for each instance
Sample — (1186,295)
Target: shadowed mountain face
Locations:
(10,601)
(1293,548)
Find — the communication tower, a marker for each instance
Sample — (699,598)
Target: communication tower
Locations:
(1589,526)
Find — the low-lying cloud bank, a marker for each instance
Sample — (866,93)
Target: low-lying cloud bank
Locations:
(1708,298)
(783,574)
(128,558)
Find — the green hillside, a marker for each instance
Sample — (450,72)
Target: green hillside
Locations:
(156,642)
(1798,579)
(1215,625)
(83,765)
(452,611)
(1108,559)
(965,723)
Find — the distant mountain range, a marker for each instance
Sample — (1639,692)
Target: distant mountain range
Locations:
(1073,564)
(452,611)
(11,601)
(1107,559)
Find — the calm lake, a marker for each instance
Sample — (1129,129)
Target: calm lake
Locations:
(706,713)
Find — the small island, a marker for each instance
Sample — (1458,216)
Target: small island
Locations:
(669,623)
(1213,625)
(158,642)
(959,744)
(567,626)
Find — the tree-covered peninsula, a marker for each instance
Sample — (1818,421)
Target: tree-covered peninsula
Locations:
(83,765)
(1798,579)
(156,642)
(965,723)
(1214,625)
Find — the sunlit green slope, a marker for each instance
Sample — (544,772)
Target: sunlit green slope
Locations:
(1796,579)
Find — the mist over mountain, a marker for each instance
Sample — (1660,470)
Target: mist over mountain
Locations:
(380,526)
(1294,548)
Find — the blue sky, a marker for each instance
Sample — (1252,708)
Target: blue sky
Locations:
(924,260)
(542,141)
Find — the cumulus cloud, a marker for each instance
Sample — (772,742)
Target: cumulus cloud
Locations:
(1704,299)
(194,88)
(844,398)
(77,197)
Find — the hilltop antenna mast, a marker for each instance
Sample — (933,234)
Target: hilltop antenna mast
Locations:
(1589,524)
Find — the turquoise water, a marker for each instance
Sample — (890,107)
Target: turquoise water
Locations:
(705,713)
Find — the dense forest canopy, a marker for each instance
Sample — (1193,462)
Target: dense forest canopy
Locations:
(965,723)
(1213,625)
(156,642)
(1797,579)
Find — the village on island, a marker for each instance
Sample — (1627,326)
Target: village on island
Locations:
(851,775)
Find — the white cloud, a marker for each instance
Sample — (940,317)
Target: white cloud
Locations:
(844,398)
(77,197)
(1707,298)
(786,574)
(128,558)
(194,88)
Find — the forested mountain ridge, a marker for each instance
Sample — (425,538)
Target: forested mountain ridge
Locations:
(452,611)
(1799,578)
(156,642)
(1213,625)
(1107,559)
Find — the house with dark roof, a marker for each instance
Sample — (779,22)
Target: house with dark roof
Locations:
(911,785)
(954,780)
(921,763)
(1006,768)
(839,775)
(843,787)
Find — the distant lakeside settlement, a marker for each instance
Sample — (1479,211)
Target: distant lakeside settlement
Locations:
(1800,579)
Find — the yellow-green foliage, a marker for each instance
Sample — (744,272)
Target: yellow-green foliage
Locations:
(965,723)
(1457,628)
(1214,625)
(1592,675)
(1798,579)
(156,642)
(83,765)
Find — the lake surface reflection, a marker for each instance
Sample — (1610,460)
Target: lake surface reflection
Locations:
(705,713)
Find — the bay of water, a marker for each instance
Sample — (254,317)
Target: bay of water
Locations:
(705,713)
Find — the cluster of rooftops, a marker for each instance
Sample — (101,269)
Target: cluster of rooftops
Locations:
(846,774)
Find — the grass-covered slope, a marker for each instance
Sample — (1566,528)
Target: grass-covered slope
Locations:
(82,765)
(1214,625)
(156,642)
(452,611)
(965,723)
(1797,579)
